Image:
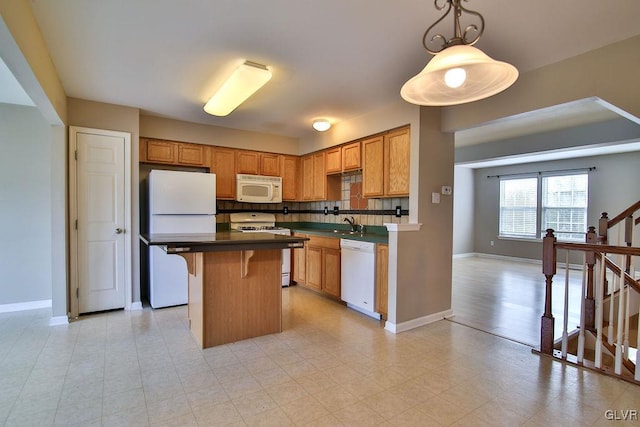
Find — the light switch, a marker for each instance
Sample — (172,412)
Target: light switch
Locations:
(435,197)
(446,190)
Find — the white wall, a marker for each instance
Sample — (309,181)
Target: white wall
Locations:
(25,197)
(463,210)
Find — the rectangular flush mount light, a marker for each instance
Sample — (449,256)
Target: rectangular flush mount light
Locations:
(244,82)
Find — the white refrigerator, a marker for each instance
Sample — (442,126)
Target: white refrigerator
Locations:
(179,203)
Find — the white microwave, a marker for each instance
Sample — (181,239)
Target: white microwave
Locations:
(258,188)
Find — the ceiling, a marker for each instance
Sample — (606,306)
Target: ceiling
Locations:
(335,59)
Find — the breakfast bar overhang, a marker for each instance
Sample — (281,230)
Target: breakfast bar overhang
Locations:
(235,290)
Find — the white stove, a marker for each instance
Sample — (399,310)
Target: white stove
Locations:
(259,222)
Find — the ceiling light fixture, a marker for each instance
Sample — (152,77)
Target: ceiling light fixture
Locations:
(244,82)
(321,125)
(459,73)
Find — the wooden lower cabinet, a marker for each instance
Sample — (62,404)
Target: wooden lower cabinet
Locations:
(382,279)
(300,263)
(318,268)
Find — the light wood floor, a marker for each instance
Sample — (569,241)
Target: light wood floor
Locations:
(506,298)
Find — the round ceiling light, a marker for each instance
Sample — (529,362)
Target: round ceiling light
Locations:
(321,125)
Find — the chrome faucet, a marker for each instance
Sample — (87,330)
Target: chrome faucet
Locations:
(352,223)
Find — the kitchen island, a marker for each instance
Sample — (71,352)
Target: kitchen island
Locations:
(235,288)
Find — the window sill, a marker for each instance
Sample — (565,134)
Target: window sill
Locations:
(520,239)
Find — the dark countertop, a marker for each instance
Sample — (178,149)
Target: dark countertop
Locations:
(218,242)
(374,234)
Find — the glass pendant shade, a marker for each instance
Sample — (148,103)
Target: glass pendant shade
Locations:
(457,75)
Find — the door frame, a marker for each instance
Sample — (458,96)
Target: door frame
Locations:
(73,215)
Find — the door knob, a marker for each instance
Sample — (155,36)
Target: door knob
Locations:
(119,230)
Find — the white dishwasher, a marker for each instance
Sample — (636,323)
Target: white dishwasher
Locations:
(357,274)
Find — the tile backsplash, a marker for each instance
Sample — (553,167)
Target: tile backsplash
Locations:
(365,211)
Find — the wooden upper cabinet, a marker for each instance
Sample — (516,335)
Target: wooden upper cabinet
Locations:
(161,151)
(307,177)
(192,154)
(174,153)
(319,177)
(373,167)
(270,164)
(248,162)
(397,146)
(290,170)
(351,156)
(333,160)
(223,164)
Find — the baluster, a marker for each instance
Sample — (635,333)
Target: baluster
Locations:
(628,238)
(583,301)
(590,260)
(565,323)
(549,270)
(603,227)
(599,284)
(621,305)
(612,294)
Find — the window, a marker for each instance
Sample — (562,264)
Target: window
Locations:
(564,206)
(518,207)
(529,206)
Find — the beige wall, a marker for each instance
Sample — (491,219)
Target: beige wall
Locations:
(610,73)
(176,130)
(99,115)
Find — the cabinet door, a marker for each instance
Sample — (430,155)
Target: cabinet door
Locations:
(314,267)
(191,154)
(300,263)
(319,177)
(331,271)
(161,151)
(290,177)
(307,178)
(224,166)
(397,153)
(270,164)
(248,162)
(382,277)
(351,156)
(333,160)
(373,167)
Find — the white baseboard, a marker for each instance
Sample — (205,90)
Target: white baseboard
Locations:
(465,255)
(135,306)
(508,258)
(21,306)
(415,323)
(58,320)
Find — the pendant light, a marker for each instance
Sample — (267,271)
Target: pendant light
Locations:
(458,73)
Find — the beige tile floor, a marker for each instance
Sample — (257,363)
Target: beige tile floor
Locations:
(330,366)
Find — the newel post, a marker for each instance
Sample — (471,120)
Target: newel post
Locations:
(590,303)
(549,270)
(603,227)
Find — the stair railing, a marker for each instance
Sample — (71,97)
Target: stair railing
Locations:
(602,278)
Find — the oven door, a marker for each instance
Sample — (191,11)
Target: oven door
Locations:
(254,192)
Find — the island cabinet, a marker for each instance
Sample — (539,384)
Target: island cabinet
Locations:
(223,164)
(290,169)
(174,153)
(382,278)
(257,163)
(323,265)
(385,164)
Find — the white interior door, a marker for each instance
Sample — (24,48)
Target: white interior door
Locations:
(101,214)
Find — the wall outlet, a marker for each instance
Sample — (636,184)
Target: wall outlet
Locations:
(285,210)
(326,210)
(398,211)
(492,243)
(336,211)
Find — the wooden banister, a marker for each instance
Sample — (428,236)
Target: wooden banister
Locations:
(625,213)
(617,270)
